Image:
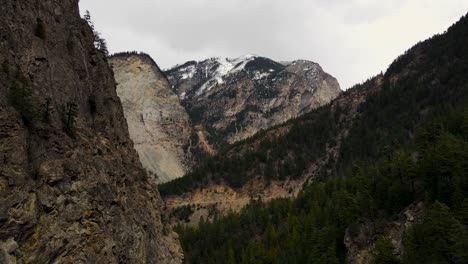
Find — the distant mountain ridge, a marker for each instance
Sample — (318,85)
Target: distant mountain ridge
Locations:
(216,71)
(231,99)
(180,116)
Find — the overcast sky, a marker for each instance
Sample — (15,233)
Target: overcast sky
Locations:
(351,39)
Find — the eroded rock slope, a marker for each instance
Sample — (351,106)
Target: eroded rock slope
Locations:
(159,126)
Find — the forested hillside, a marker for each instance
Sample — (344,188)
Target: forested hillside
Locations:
(406,143)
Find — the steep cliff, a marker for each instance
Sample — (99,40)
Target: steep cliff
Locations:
(159,126)
(232,99)
(72,189)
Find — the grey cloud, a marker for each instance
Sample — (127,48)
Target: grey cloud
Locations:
(345,36)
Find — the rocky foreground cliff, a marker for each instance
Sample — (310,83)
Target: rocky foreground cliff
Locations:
(72,189)
(232,99)
(159,126)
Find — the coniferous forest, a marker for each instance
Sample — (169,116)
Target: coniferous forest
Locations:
(406,144)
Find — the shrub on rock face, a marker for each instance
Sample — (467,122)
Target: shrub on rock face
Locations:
(384,251)
(99,43)
(39,30)
(20,96)
(71,113)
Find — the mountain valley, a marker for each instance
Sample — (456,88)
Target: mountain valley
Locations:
(107,158)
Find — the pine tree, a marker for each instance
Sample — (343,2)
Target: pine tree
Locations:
(230,255)
(439,238)
(20,96)
(39,31)
(87,17)
(99,43)
(71,113)
(384,251)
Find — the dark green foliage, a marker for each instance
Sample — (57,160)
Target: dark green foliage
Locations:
(384,251)
(6,68)
(99,43)
(196,113)
(92,105)
(310,229)
(263,64)
(87,18)
(45,115)
(248,108)
(439,238)
(69,119)
(20,95)
(183,213)
(229,93)
(39,29)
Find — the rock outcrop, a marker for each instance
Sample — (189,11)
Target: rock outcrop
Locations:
(360,242)
(232,99)
(159,126)
(72,189)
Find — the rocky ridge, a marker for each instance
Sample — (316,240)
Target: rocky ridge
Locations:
(72,189)
(232,99)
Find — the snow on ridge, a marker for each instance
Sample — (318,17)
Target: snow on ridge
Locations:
(225,67)
(188,72)
(242,62)
(259,76)
(229,66)
(215,71)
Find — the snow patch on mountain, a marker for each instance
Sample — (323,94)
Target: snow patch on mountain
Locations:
(188,72)
(195,79)
(261,75)
(225,68)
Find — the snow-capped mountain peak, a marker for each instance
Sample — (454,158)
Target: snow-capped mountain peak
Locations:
(231,99)
(217,71)
(193,80)
(225,67)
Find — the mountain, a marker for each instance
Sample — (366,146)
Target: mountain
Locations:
(232,99)
(210,104)
(72,189)
(381,172)
(158,125)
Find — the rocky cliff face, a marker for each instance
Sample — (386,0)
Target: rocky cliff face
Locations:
(158,124)
(232,99)
(72,189)
(360,243)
